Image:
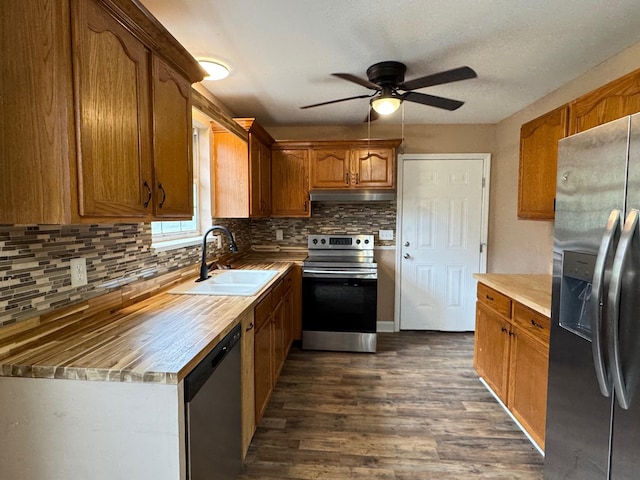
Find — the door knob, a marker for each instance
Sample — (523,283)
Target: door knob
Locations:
(406,244)
(406,255)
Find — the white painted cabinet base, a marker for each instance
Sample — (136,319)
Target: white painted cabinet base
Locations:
(78,430)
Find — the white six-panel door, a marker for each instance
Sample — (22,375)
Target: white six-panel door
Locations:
(440,244)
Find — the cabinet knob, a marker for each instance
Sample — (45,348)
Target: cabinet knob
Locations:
(250,327)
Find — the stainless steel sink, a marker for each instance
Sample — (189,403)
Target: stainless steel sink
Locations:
(228,282)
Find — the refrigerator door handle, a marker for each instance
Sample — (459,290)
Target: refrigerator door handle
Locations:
(613,331)
(609,238)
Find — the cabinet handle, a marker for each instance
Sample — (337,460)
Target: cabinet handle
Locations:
(164,195)
(511,334)
(305,205)
(536,324)
(346,178)
(504,330)
(146,185)
(490,298)
(250,327)
(357,179)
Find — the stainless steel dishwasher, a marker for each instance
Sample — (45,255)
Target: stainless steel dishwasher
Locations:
(213,423)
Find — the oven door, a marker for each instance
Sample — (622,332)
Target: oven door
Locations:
(339,303)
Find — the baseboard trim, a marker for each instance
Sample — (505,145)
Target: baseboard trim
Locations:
(386,327)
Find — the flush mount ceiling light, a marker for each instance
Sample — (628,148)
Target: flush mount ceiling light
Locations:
(215,69)
(386,104)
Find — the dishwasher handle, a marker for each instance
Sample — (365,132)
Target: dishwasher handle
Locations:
(194,381)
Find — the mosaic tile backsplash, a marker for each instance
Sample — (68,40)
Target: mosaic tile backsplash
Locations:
(35,260)
(328,218)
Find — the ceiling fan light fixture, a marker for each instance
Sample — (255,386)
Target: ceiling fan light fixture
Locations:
(214,69)
(386,104)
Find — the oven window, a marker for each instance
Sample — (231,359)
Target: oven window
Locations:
(339,305)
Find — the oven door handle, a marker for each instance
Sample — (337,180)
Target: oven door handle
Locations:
(338,272)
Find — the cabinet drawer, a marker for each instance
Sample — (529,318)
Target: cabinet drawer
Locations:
(263,310)
(532,322)
(494,299)
(278,290)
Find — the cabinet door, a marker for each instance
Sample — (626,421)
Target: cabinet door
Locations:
(35,179)
(610,102)
(263,344)
(260,178)
(247,384)
(538,164)
(290,183)
(229,176)
(172,139)
(279,348)
(491,349)
(529,361)
(373,168)
(111,76)
(330,168)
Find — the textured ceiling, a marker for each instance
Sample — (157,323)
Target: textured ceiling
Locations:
(282,52)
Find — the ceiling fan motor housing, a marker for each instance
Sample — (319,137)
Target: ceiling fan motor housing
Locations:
(387,74)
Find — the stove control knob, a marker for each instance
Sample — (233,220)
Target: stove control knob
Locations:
(323,241)
(358,242)
(366,242)
(315,241)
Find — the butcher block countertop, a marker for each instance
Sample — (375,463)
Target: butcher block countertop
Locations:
(159,339)
(533,291)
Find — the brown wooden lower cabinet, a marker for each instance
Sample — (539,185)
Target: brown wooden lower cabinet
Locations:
(511,354)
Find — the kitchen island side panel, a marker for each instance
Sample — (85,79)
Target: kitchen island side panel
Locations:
(79,430)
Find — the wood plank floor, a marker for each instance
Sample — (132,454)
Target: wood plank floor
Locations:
(413,411)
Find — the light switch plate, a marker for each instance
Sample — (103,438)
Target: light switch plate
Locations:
(385,234)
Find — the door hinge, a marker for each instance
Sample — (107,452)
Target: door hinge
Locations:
(481,247)
(483,182)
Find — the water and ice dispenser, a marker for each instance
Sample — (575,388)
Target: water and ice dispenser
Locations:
(575,292)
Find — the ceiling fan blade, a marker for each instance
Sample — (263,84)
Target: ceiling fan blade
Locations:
(335,101)
(454,75)
(372,116)
(358,80)
(433,101)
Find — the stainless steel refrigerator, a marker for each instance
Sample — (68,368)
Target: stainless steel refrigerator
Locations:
(593,414)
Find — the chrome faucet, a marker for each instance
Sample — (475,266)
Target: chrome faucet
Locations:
(204,269)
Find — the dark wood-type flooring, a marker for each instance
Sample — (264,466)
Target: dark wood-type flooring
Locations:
(413,411)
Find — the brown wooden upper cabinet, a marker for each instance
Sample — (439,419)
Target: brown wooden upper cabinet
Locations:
(290,183)
(539,140)
(241,173)
(609,102)
(353,164)
(103,91)
(538,164)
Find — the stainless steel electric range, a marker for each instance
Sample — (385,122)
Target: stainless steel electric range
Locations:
(339,294)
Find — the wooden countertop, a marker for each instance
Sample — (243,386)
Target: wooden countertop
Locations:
(533,291)
(158,339)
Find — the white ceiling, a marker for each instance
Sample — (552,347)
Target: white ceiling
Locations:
(282,52)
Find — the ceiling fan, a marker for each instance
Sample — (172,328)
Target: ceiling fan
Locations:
(387,79)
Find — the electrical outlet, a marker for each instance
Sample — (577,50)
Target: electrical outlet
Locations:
(386,234)
(279,235)
(78,272)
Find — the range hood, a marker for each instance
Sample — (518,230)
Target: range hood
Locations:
(351,196)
